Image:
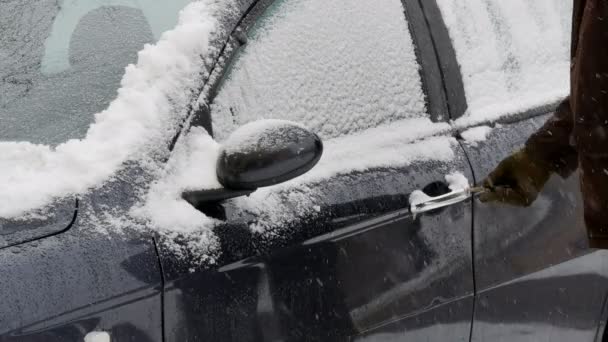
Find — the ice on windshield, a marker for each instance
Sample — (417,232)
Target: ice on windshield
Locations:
(62,62)
(514,55)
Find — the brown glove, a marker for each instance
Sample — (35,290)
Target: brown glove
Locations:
(516,181)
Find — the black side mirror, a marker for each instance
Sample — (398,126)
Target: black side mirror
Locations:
(259,154)
(267,152)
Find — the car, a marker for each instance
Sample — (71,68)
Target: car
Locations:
(285,170)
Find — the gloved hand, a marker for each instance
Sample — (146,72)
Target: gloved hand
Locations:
(516,181)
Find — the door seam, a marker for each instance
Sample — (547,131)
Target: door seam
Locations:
(474,309)
(162,289)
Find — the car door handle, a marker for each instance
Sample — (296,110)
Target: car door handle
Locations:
(422,203)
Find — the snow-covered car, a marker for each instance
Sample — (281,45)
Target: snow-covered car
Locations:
(287,170)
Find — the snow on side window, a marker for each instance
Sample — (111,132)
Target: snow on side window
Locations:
(513,55)
(335,66)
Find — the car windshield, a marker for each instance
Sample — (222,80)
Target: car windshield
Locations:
(62,61)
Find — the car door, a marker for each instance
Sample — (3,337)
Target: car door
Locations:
(536,277)
(336,254)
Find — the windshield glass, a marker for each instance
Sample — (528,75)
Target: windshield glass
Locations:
(62,61)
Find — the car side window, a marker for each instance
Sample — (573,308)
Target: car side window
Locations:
(513,55)
(338,67)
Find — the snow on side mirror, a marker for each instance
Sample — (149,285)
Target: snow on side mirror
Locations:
(267,152)
(258,154)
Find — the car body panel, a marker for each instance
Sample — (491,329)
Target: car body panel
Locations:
(54,220)
(62,287)
(360,265)
(90,277)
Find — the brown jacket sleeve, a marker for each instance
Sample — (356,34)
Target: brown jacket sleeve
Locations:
(552,145)
(589,78)
(589,95)
(577,135)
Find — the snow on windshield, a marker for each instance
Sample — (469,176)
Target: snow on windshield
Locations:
(514,55)
(62,61)
(152,100)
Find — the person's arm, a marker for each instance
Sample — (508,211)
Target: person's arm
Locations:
(552,145)
(519,178)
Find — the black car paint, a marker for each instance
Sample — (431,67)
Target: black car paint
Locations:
(66,285)
(301,285)
(308,283)
(17,231)
(92,277)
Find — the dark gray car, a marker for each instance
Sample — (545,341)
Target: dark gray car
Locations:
(402,93)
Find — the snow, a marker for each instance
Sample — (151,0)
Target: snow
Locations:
(513,55)
(97,336)
(373,116)
(384,146)
(367,120)
(457,181)
(476,134)
(337,67)
(255,134)
(191,167)
(152,100)
(418,197)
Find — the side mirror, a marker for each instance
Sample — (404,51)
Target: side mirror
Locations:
(267,152)
(259,154)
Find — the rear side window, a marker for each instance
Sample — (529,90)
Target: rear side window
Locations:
(337,67)
(513,55)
